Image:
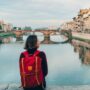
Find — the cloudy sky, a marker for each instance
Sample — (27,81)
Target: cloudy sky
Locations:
(40,13)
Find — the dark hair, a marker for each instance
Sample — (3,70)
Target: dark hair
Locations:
(31,42)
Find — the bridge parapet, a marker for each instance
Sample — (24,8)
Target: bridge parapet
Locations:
(46,34)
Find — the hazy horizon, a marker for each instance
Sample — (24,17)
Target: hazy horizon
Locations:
(40,13)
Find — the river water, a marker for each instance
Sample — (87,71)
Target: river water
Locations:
(64,63)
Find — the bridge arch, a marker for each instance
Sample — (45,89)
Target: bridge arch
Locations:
(46,34)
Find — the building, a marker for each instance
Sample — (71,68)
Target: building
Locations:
(83,20)
(5,26)
(69,26)
(80,23)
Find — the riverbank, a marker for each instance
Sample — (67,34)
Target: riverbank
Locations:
(81,36)
(16,87)
(6,34)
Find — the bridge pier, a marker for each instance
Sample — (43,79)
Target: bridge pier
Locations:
(47,39)
(19,35)
(19,38)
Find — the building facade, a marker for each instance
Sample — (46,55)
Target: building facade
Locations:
(5,26)
(80,23)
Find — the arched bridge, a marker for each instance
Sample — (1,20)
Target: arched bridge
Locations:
(46,34)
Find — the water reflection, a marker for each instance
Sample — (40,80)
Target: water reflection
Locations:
(64,62)
(84,51)
(57,39)
(82,48)
(8,40)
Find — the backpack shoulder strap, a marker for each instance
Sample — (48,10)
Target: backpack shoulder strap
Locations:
(25,53)
(36,52)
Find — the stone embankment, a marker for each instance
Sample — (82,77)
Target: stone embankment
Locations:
(83,36)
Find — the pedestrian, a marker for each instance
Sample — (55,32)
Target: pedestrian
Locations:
(33,65)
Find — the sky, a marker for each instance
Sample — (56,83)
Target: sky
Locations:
(40,13)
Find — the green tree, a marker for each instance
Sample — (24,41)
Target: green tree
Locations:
(19,28)
(45,28)
(0,27)
(27,28)
(14,28)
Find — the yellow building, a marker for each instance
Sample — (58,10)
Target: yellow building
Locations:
(80,23)
(7,27)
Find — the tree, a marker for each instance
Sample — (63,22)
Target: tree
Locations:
(27,28)
(0,27)
(14,28)
(19,28)
(42,28)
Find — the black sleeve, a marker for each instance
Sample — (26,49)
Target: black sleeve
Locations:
(44,63)
(21,56)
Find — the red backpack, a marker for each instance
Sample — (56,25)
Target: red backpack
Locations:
(31,70)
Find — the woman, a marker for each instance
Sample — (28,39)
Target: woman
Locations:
(31,46)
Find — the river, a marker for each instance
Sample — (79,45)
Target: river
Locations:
(64,63)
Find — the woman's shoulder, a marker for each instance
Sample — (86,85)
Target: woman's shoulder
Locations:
(23,53)
(42,53)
